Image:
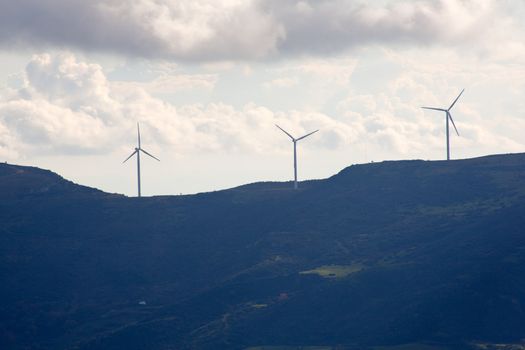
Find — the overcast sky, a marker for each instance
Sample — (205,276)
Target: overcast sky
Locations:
(208,79)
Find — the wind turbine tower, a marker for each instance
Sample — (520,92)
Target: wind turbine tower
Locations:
(295,151)
(137,151)
(448,117)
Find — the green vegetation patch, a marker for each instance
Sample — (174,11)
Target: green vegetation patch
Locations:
(334,271)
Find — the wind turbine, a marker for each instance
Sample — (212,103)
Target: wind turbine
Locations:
(447,117)
(295,151)
(137,151)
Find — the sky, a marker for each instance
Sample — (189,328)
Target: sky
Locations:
(208,80)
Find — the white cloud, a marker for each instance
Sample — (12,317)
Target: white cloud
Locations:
(330,27)
(485,115)
(187,29)
(45,127)
(67,106)
(210,30)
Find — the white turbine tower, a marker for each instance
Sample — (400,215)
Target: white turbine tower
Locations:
(137,152)
(447,117)
(295,151)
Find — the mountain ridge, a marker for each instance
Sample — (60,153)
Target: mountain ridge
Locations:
(379,254)
(7,169)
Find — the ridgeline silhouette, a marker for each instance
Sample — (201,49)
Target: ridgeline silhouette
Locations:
(420,252)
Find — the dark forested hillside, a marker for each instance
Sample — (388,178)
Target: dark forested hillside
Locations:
(414,254)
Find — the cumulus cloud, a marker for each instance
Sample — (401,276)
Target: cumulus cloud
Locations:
(210,30)
(332,26)
(187,29)
(486,115)
(67,106)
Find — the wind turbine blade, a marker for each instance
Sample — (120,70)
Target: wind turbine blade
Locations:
(131,155)
(138,133)
(285,132)
(152,156)
(435,109)
(452,120)
(305,136)
(456,100)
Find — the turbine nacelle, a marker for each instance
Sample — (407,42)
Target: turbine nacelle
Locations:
(299,138)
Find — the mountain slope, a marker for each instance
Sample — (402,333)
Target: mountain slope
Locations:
(379,254)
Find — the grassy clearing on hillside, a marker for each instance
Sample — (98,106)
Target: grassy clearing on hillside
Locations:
(334,271)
